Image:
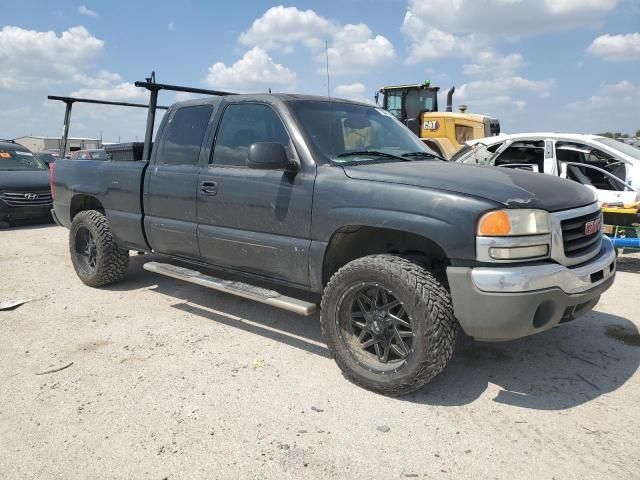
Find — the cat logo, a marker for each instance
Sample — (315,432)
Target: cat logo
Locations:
(431,125)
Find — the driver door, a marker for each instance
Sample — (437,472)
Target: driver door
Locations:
(255,221)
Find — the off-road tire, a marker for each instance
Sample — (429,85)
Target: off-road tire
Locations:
(426,300)
(112,262)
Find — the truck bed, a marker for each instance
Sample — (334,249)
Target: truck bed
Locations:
(117,185)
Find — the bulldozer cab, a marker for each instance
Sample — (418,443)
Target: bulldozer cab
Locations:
(445,132)
(406,102)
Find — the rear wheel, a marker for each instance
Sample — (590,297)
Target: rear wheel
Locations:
(96,257)
(388,323)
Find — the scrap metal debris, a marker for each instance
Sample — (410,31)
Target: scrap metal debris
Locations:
(55,369)
(258,364)
(13,304)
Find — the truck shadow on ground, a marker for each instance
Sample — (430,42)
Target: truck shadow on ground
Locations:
(259,319)
(555,370)
(26,225)
(626,263)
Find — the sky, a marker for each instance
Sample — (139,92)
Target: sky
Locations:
(537,65)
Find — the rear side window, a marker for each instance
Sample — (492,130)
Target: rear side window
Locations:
(242,125)
(184,135)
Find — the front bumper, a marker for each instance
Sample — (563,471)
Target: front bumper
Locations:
(9,214)
(504,303)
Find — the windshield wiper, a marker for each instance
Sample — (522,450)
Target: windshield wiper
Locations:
(373,153)
(422,154)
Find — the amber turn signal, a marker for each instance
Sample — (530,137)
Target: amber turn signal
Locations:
(494,224)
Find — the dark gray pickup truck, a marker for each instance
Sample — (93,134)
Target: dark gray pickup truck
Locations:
(340,199)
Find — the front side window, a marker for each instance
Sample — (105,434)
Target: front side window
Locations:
(346,133)
(184,135)
(19,159)
(523,154)
(394,103)
(600,170)
(418,101)
(242,125)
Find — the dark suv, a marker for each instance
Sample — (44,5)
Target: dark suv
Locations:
(24,185)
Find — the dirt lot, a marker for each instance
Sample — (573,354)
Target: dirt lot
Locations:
(172,381)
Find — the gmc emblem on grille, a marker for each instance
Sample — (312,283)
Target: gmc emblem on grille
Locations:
(592,227)
(31,196)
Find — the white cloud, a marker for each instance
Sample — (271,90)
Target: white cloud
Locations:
(255,71)
(446,28)
(614,107)
(123,91)
(355,50)
(83,10)
(103,79)
(519,105)
(36,64)
(171,26)
(281,26)
(571,7)
(616,47)
(489,63)
(353,91)
(29,57)
(617,97)
(477,88)
(497,86)
(432,43)
(352,48)
(499,17)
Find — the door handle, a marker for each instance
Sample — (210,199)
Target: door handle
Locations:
(209,188)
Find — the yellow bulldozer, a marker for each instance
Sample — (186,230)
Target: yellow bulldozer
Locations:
(445,132)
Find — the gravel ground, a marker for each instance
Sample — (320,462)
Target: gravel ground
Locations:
(171,380)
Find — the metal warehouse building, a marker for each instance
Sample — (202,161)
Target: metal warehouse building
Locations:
(40,144)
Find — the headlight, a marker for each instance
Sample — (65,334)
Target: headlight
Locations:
(508,223)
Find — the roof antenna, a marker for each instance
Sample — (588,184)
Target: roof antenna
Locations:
(326,50)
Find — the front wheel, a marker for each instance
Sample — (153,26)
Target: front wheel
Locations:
(96,257)
(388,323)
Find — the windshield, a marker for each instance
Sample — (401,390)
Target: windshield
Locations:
(12,158)
(341,133)
(630,150)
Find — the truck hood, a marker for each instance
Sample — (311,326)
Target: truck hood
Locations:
(24,180)
(511,188)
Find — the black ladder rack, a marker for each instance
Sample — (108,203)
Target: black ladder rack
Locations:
(153,87)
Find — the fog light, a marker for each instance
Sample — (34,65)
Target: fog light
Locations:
(513,253)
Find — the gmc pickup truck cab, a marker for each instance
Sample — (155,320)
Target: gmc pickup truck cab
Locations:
(340,199)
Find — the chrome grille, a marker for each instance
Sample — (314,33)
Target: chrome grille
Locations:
(574,240)
(38,198)
(570,245)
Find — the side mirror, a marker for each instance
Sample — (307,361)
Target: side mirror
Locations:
(377,96)
(269,156)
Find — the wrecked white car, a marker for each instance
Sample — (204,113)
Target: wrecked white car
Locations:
(610,167)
